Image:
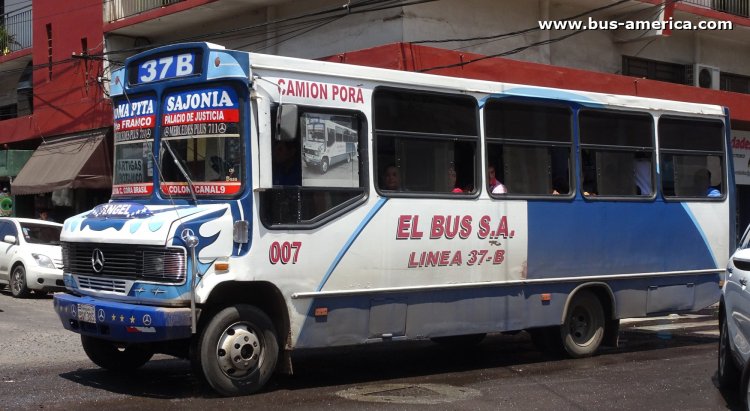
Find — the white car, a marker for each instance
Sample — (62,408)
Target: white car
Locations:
(30,256)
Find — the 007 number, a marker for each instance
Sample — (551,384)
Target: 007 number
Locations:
(284,252)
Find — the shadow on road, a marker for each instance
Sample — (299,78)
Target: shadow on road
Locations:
(172,378)
(35,295)
(160,379)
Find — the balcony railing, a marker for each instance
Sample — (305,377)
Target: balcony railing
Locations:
(120,9)
(17,25)
(736,7)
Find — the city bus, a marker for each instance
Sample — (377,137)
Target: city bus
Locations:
(326,143)
(219,246)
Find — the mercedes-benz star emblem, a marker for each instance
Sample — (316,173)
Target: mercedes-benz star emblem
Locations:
(186,233)
(97,260)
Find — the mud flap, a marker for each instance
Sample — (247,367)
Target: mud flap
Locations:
(611,333)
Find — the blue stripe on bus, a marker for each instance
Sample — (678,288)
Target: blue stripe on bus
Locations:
(601,237)
(378,205)
(549,94)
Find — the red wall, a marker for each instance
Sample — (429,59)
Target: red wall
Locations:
(404,56)
(71,100)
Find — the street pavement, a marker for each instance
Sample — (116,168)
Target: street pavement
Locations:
(663,363)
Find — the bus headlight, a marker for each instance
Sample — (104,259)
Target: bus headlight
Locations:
(43,261)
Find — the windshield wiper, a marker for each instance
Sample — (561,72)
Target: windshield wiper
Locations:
(178,163)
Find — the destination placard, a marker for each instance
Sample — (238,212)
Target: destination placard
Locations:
(208,111)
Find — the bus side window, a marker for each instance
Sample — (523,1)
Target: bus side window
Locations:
(315,174)
(426,141)
(692,157)
(528,146)
(617,152)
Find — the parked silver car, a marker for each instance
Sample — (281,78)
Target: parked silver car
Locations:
(30,256)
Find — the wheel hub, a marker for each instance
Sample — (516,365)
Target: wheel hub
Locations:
(579,326)
(17,281)
(239,351)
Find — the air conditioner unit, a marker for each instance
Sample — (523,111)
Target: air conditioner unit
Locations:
(706,76)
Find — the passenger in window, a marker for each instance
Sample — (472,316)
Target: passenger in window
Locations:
(494,185)
(286,164)
(589,183)
(702,181)
(642,172)
(560,185)
(391,178)
(452,180)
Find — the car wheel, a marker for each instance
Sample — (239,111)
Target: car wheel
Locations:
(745,392)
(728,373)
(583,329)
(237,350)
(18,286)
(110,356)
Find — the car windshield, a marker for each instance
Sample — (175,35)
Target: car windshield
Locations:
(41,234)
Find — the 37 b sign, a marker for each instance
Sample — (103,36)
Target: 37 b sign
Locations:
(166,67)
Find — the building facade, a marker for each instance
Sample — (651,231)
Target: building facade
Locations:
(53,97)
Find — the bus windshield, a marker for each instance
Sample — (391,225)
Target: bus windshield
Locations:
(200,142)
(134,141)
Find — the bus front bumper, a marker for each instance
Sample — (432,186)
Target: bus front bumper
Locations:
(313,160)
(123,322)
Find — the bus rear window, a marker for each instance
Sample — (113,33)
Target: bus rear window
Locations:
(692,157)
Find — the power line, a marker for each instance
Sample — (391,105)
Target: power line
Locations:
(516,50)
(518,32)
(362,6)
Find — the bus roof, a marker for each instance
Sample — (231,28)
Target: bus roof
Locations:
(391,77)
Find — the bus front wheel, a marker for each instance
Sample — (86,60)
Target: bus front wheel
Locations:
(113,357)
(324,166)
(237,350)
(583,329)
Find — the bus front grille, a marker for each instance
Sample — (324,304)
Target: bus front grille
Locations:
(125,261)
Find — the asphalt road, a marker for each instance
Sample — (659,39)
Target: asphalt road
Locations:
(661,364)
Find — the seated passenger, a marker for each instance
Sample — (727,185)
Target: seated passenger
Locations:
(391,179)
(494,185)
(702,183)
(642,171)
(452,187)
(286,164)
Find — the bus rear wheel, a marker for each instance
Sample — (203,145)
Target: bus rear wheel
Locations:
(583,329)
(237,350)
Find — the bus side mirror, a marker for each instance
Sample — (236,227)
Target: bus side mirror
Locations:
(286,122)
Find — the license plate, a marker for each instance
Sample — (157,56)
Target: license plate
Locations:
(86,313)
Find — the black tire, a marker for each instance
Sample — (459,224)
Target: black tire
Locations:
(110,356)
(745,392)
(468,340)
(237,350)
(18,286)
(583,329)
(324,166)
(728,374)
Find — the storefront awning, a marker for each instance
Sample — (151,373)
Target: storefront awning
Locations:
(76,161)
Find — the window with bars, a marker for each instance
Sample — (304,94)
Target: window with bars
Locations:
(654,70)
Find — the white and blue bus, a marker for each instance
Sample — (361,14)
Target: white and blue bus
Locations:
(220,246)
(326,142)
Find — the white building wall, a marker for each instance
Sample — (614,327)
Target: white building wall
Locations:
(595,50)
